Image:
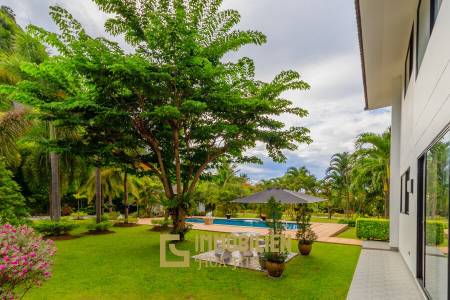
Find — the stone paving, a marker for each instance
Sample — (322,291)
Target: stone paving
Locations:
(326,232)
(382,274)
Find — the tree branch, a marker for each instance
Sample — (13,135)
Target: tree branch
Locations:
(153,143)
(203,167)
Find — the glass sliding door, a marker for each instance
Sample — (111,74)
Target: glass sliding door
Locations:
(436,214)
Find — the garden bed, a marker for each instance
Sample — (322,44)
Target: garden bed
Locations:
(63,237)
(121,224)
(99,232)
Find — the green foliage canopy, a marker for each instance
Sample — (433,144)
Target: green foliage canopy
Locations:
(173,106)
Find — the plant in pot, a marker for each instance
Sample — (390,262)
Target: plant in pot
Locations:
(229,208)
(305,235)
(275,263)
(306,238)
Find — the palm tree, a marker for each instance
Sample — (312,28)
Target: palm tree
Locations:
(19,48)
(150,192)
(373,158)
(301,178)
(13,125)
(325,189)
(110,183)
(339,173)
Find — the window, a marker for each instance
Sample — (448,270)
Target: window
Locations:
(409,61)
(435,218)
(426,17)
(406,188)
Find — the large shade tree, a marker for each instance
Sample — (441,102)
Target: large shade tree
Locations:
(174,104)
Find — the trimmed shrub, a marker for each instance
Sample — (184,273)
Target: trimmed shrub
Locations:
(162,223)
(434,233)
(372,229)
(99,227)
(54,228)
(114,215)
(349,222)
(79,215)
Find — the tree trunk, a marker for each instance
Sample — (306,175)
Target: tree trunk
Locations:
(386,199)
(125,195)
(329,209)
(110,204)
(179,221)
(98,195)
(102,201)
(386,204)
(55,201)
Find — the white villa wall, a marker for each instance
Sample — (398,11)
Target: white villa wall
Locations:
(425,112)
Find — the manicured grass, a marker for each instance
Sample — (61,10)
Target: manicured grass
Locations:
(323,220)
(350,233)
(125,265)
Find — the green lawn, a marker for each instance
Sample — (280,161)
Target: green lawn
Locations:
(323,220)
(125,265)
(350,233)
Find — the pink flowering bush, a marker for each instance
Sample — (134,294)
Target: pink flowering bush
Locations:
(25,260)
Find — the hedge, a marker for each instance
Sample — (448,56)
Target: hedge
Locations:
(434,233)
(372,229)
(349,222)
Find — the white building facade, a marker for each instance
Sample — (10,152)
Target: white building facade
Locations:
(405,53)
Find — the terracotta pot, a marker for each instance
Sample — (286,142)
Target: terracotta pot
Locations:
(304,249)
(208,221)
(275,269)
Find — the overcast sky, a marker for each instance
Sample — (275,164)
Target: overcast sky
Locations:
(317,38)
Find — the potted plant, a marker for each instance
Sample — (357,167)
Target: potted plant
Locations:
(228,216)
(208,220)
(275,263)
(305,235)
(306,238)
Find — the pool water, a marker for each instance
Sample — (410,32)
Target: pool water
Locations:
(243,222)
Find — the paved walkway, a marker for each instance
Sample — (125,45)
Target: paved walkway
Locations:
(382,274)
(325,231)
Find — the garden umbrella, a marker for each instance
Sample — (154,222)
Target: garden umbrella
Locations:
(281,195)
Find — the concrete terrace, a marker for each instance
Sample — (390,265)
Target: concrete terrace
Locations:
(382,274)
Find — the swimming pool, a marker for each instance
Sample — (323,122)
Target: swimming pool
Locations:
(243,222)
